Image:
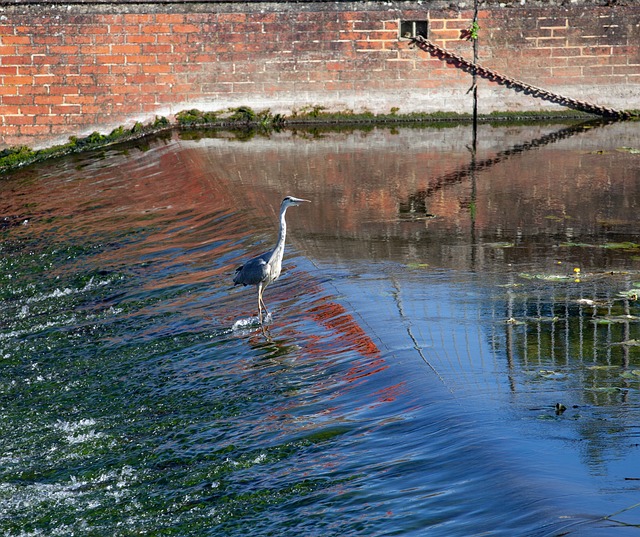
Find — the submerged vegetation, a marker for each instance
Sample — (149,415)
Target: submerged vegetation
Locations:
(251,122)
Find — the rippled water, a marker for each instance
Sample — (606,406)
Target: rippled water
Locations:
(452,351)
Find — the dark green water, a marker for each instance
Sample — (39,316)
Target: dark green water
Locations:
(430,316)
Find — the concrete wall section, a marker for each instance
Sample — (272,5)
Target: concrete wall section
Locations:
(69,69)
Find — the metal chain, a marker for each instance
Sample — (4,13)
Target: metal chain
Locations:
(512,83)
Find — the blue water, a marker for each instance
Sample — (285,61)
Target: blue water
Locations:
(427,322)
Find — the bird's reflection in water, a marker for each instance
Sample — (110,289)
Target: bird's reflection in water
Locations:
(269,349)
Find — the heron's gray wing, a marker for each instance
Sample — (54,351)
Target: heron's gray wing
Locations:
(253,271)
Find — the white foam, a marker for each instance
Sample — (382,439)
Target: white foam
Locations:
(242,324)
(69,493)
(260,458)
(59,293)
(77,433)
(250,322)
(70,427)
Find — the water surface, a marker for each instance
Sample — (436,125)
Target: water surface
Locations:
(452,350)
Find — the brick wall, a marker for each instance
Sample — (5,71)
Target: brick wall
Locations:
(72,69)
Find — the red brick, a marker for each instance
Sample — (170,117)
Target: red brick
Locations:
(51,119)
(33,89)
(444,34)
(63,49)
(111,59)
(17,80)
(49,80)
(596,51)
(566,71)
(595,71)
(626,70)
(48,99)
(170,18)
(224,18)
(7,50)
(458,24)
(23,120)
(75,39)
(134,79)
(137,18)
(95,50)
(184,28)
(16,40)
(154,48)
(122,69)
(566,51)
(124,89)
(79,99)
(141,58)
(15,60)
(32,110)
(156,28)
(34,130)
(7,90)
(15,99)
(126,49)
(138,38)
(66,109)
(92,69)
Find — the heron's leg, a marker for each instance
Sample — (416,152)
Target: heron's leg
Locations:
(260,302)
(263,304)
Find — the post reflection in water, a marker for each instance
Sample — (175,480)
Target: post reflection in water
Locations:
(453,347)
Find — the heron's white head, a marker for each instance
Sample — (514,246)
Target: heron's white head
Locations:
(290,201)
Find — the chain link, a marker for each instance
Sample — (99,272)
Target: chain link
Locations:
(512,83)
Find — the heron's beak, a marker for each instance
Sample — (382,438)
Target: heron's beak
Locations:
(299,200)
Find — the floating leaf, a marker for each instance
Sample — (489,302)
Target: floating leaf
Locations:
(546,277)
(576,245)
(612,319)
(621,245)
(550,374)
(633,294)
(606,389)
(554,319)
(631,150)
(499,244)
(418,265)
(624,318)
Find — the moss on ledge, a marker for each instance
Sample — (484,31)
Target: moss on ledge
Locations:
(16,157)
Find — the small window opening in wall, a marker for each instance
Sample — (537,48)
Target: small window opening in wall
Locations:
(411,29)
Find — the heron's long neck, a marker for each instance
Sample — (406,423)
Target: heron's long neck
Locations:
(279,249)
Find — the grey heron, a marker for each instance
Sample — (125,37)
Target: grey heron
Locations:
(265,268)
